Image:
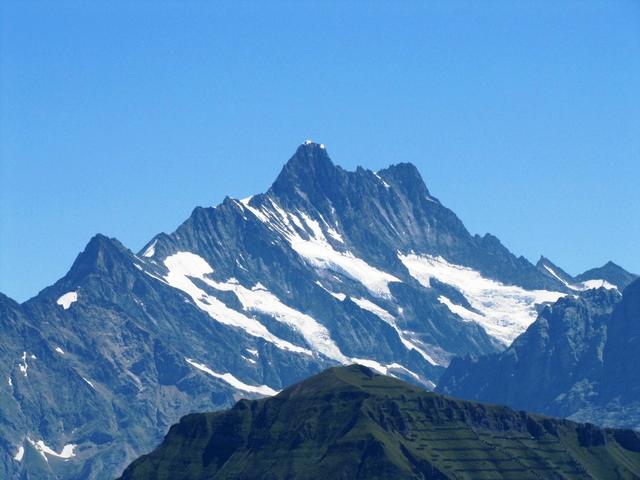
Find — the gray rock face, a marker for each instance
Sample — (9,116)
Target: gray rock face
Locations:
(242,300)
(578,360)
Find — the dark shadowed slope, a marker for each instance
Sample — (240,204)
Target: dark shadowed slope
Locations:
(350,423)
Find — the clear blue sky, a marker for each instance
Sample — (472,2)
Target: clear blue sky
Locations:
(120,117)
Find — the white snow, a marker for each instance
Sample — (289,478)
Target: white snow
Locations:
(461,311)
(368,305)
(259,299)
(59,350)
(89,383)
(250,360)
(10,381)
(339,296)
(318,252)
(183,266)
(506,310)
(233,381)
(558,277)
(384,369)
(385,184)
(24,366)
(151,250)
(20,453)
(587,285)
(67,299)
(334,234)
(66,453)
(252,352)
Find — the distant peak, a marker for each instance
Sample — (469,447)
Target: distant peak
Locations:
(100,254)
(309,165)
(309,148)
(544,261)
(100,241)
(312,144)
(407,176)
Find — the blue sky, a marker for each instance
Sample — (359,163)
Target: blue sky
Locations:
(120,117)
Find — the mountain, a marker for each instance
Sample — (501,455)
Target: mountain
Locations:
(349,422)
(609,276)
(577,360)
(327,267)
(609,272)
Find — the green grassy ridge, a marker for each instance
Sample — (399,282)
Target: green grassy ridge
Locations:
(349,423)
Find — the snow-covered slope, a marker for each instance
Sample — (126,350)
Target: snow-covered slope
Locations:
(504,311)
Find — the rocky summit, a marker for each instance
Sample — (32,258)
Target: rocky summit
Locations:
(328,267)
(351,423)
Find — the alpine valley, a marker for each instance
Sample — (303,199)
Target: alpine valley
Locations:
(328,267)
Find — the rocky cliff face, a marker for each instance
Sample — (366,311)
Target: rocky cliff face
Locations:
(578,360)
(327,267)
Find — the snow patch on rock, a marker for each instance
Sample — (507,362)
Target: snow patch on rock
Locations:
(185,266)
(67,299)
(233,381)
(151,250)
(506,310)
(384,315)
(66,453)
(316,250)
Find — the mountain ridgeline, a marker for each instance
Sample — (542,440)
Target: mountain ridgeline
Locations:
(328,267)
(350,423)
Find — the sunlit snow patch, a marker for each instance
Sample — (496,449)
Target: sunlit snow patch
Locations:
(388,369)
(19,454)
(24,366)
(66,453)
(384,315)
(151,250)
(183,266)
(67,299)
(233,381)
(89,383)
(316,249)
(505,310)
(259,299)
(461,311)
(587,285)
(339,296)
